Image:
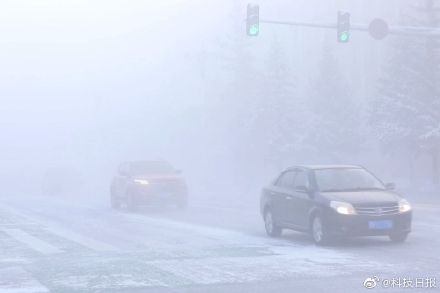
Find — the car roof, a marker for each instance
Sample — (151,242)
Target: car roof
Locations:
(146,162)
(320,167)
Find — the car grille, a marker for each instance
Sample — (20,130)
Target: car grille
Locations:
(391,209)
(166,185)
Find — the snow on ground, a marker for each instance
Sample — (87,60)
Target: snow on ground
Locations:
(17,280)
(70,248)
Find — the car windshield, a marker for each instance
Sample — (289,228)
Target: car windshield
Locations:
(149,168)
(346,179)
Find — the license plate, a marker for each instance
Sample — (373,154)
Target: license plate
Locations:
(380,225)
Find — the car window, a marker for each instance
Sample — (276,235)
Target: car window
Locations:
(301,179)
(344,179)
(286,179)
(148,168)
(123,169)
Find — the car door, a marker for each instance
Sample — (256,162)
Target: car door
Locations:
(120,181)
(299,202)
(282,191)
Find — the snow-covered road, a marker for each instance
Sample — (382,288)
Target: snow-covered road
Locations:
(49,245)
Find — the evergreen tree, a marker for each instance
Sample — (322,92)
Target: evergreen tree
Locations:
(334,123)
(407,109)
(235,83)
(276,110)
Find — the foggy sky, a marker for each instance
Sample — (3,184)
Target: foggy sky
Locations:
(88,84)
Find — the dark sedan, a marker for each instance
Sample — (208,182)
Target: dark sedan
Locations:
(331,201)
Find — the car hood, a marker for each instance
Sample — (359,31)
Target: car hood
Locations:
(363,197)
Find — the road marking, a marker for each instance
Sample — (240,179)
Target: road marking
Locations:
(80,239)
(17,280)
(60,231)
(209,233)
(15,261)
(33,242)
(206,207)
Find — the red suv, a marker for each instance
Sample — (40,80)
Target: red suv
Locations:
(147,183)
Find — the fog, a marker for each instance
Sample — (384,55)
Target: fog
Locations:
(86,85)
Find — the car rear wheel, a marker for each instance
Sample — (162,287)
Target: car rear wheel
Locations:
(269,224)
(131,202)
(318,231)
(398,237)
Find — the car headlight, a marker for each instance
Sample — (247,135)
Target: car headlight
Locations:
(141,181)
(404,206)
(343,208)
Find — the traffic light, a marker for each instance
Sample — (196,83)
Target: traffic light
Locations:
(343,27)
(253,20)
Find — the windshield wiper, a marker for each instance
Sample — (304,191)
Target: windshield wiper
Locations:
(352,189)
(367,188)
(334,190)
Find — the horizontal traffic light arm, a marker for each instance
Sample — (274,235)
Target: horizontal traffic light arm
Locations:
(393,30)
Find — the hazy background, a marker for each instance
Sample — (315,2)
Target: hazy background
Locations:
(85,85)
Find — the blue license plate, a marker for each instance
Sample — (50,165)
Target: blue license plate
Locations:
(380,225)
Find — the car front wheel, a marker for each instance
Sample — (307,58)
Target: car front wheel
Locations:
(115,203)
(271,228)
(318,231)
(131,201)
(398,237)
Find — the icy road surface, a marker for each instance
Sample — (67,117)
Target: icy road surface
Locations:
(54,245)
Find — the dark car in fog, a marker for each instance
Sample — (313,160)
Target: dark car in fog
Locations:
(333,201)
(141,183)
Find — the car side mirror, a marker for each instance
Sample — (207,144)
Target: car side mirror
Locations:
(302,188)
(390,186)
(305,189)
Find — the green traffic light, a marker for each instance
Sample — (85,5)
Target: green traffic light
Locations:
(344,37)
(253,30)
